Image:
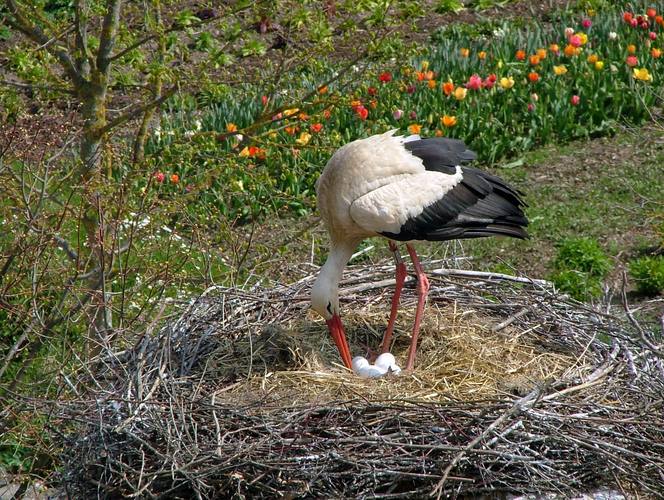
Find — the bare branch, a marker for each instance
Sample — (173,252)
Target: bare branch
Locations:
(64,244)
(135,111)
(32,86)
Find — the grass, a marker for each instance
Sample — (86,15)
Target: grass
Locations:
(605,189)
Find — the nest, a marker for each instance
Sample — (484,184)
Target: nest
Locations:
(516,389)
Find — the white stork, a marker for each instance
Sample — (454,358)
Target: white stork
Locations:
(404,189)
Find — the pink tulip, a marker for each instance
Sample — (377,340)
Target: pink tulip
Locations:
(474,82)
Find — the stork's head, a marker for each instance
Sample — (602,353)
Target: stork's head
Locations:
(325,297)
(325,301)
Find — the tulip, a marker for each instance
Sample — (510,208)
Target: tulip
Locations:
(474,82)
(303,139)
(560,70)
(642,74)
(448,121)
(460,93)
(507,82)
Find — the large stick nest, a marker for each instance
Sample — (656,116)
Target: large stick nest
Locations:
(516,389)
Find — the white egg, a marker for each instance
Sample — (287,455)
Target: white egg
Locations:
(358,363)
(385,360)
(371,371)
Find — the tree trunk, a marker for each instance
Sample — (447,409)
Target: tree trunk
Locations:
(100,320)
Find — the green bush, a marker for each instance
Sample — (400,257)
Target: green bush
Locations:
(648,273)
(580,266)
(584,255)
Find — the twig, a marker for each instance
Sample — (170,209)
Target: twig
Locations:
(525,402)
(490,276)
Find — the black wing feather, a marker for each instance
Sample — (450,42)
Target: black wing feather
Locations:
(480,205)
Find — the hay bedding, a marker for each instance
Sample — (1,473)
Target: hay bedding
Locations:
(516,390)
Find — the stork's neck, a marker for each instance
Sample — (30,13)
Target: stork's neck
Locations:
(325,292)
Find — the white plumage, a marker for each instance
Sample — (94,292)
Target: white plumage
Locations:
(404,189)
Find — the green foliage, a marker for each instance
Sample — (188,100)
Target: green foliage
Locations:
(205,42)
(253,47)
(13,456)
(579,285)
(5,33)
(584,255)
(444,6)
(580,266)
(648,273)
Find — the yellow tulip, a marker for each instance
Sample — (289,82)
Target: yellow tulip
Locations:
(460,93)
(507,82)
(599,65)
(560,70)
(303,139)
(642,74)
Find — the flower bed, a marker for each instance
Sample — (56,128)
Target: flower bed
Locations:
(502,92)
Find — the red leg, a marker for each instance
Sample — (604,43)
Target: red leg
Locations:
(422,291)
(400,279)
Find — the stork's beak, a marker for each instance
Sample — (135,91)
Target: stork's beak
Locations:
(339,336)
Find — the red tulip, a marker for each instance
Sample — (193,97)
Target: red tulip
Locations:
(361,112)
(385,77)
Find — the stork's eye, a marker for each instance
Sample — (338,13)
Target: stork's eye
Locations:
(329,307)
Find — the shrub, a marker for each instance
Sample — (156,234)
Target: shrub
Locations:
(580,266)
(648,273)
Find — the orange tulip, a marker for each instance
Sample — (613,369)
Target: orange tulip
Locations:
(448,87)
(449,121)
